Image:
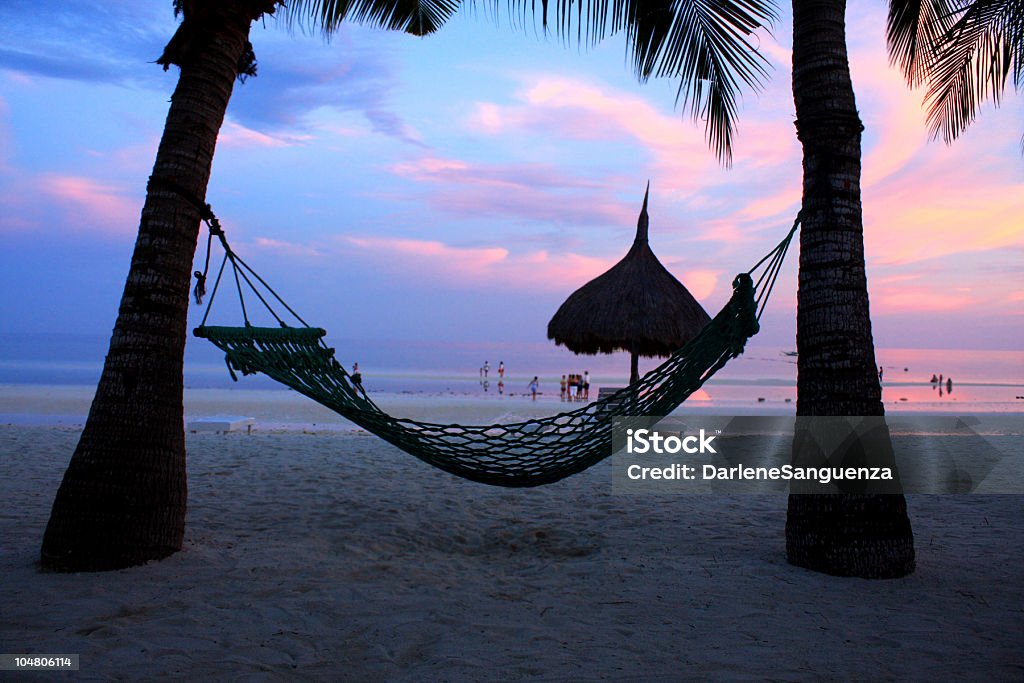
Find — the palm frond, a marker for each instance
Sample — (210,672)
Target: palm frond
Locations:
(974,57)
(708,48)
(418,17)
(706,44)
(913,32)
(1015,34)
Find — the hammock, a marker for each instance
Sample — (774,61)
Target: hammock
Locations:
(530,453)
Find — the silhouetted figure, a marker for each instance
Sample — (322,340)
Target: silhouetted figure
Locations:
(357,377)
(949,385)
(935,379)
(881,373)
(533,387)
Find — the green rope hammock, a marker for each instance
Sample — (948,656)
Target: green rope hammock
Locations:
(529,453)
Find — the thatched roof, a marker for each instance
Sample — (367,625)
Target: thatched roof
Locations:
(637,305)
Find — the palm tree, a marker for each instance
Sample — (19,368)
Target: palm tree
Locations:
(842,534)
(123,497)
(857,535)
(964,51)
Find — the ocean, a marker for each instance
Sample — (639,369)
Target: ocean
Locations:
(983,380)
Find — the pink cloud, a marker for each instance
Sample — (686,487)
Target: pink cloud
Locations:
(538,193)
(236,135)
(282,247)
(573,109)
(341,130)
(685,174)
(466,256)
(923,220)
(537,270)
(489,118)
(721,231)
(136,160)
(437,169)
(701,283)
(31,201)
(764,142)
(887,300)
(577,110)
(432,168)
(785,202)
(779,55)
(92,205)
(479,266)
(894,123)
(896,279)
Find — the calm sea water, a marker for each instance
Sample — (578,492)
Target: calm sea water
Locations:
(989,381)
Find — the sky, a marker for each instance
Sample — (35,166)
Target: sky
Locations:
(457,188)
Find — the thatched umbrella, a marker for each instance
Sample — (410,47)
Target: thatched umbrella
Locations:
(636,306)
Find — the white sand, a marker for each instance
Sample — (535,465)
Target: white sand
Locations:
(334,556)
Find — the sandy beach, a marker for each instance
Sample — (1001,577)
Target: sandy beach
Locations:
(327,554)
(477,221)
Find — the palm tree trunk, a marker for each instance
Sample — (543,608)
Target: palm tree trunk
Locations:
(123,498)
(843,534)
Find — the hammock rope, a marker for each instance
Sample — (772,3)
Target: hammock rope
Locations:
(529,453)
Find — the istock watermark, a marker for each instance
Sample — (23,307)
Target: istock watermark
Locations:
(872,455)
(646,440)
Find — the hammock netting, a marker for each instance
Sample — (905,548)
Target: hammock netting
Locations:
(529,453)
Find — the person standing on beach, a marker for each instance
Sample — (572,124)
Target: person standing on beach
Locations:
(501,369)
(533,387)
(562,386)
(881,372)
(486,368)
(586,385)
(949,385)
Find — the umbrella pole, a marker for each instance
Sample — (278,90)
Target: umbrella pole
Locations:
(634,367)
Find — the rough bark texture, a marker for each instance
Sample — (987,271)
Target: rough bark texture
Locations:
(123,498)
(850,535)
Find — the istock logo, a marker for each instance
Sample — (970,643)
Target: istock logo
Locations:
(645,441)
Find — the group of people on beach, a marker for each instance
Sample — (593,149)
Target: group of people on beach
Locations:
(575,387)
(485,370)
(937,382)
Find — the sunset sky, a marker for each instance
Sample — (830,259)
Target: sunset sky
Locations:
(459,187)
